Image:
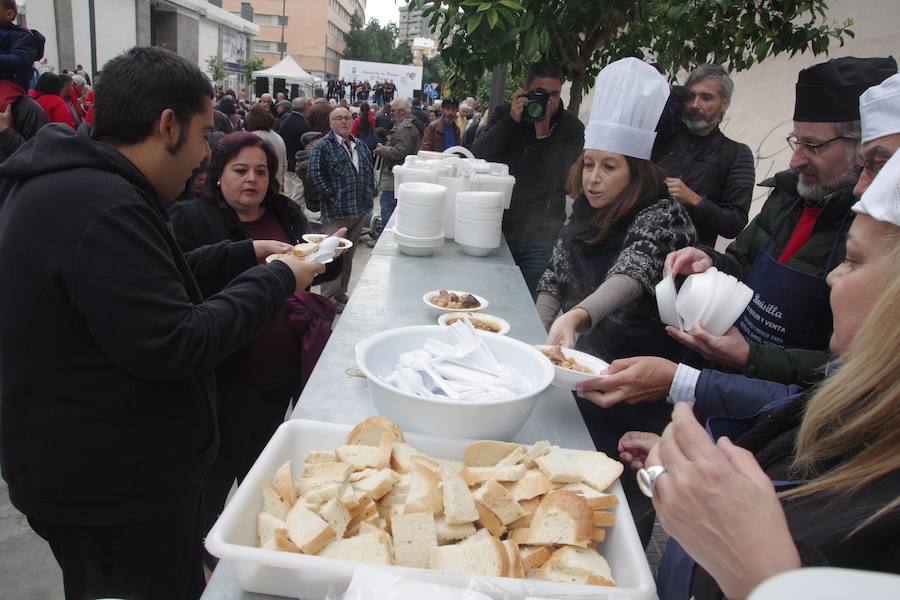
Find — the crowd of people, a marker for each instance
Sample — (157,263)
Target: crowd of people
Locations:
(144,332)
(380,92)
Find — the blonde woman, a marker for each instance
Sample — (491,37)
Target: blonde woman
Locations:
(816,480)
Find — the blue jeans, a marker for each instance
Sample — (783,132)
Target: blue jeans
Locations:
(388,204)
(532,260)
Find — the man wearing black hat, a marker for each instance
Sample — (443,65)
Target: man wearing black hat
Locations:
(443,133)
(785,253)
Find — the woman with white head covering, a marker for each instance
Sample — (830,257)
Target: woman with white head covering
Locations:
(610,253)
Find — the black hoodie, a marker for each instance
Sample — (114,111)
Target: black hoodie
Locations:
(107,347)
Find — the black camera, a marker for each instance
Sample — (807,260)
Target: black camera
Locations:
(535,106)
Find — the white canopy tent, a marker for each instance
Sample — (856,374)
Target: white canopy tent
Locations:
(287,69)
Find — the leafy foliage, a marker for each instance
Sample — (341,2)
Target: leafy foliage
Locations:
(372,42)
(254,64)
(586,35)
(216,68)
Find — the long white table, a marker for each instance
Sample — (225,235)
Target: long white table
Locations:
(388,295)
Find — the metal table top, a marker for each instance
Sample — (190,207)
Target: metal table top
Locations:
(388,295)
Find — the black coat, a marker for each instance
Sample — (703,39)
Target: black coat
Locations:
(108,345)
(292,129)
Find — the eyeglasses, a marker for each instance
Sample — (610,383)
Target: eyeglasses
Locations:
(342,118)
(794,143)
(872,165)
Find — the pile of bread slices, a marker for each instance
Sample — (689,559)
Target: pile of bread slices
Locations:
(507,510)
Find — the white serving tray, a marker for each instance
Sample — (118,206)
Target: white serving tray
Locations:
(233,537)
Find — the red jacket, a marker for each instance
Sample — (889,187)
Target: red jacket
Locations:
(89,102)
(55,107)
(355,129)
(75,98)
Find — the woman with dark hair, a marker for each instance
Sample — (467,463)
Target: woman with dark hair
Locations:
(46,92)
(364,126)
(610,253)
(256,383)
(260,121)
(228,107)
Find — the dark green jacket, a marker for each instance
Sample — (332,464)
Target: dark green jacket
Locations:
(802,367)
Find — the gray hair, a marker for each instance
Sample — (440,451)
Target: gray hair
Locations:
(717,72)
(284,105)
(400,104)
(298,103)
(78,80)
(852,130)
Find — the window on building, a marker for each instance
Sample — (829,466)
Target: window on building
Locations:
(339,10)
(270,47)
(270,20)
(335,31)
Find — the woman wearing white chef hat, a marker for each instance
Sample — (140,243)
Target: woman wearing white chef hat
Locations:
(833,454)
(610,253)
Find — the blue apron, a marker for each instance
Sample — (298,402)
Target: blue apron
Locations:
(676,568)
(790,308)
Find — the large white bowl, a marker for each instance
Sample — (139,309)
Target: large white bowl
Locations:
(726,314)
(568,378)
(500,420)
(665,302)
(695,294)
(482,302)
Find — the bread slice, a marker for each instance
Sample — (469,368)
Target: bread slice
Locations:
(500,502)
(448,534)
(272,502)
(487,453)
(308,530)
(533,484)
(425,493)
(368,433)
(476,475)
(395,497)
(284,483)
(558,467)
(597,469)
(266,525)
(577,565)
(459,506)
(604,518)
(597,500)
(513,458)
(539,449)
(376,484)
(401,453)
(534,556)
(337,515)
(480,534)
(530,507)
(319,475)
(563,517)
(414,536)
(319,496)
(284,543)
(361,457)
(429,463)
(484,557)
(321,456)
(516,567)
(372,545)
(490,521)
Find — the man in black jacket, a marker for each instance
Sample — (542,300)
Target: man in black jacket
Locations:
(107,417)
(292,129)
(539,155)
(711,175)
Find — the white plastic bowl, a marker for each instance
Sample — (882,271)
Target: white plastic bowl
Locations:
(315,238)
(477,250)
(694,296)
(496,321)
(726,314)
(567,378)
(482,302)
(665,302)
(499,420)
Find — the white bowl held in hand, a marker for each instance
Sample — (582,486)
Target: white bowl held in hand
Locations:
(729,312)
(694,296)
(665,302)
(482,302)
(495,420)
(569,378)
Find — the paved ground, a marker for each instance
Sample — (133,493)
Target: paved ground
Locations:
(28,569)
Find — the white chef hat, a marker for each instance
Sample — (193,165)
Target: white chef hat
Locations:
(879,109)
(881,200)
(629,97)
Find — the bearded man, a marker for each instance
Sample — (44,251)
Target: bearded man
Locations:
(711,175)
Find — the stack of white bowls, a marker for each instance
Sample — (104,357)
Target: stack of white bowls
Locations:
(420,211)
(713,299)
(479,217)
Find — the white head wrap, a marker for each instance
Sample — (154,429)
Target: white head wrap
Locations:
(629,97)
(881,200)
(879,109)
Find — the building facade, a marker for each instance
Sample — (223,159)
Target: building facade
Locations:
(412,24)
(90,32)
(311,31)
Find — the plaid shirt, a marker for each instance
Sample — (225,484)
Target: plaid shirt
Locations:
(346,192)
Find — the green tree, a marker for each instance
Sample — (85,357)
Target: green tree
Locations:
(584,36)
(216,68)
(254,64)
(372,42)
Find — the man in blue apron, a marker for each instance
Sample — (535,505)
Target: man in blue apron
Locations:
(785,252)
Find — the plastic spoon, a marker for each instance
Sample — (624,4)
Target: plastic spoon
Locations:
(421,361)
(328,247)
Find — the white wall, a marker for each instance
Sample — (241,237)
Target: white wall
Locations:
(208,44)
(81,24)
(116,29)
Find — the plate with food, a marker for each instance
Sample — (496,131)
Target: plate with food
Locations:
(479,321)
(454,301)
(572,366)
(273,257)
(316,238)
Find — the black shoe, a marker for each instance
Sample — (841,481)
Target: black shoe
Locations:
(341,299)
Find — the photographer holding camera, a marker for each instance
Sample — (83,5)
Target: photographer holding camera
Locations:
(539,140)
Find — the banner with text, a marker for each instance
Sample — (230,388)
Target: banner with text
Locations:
(406,77)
